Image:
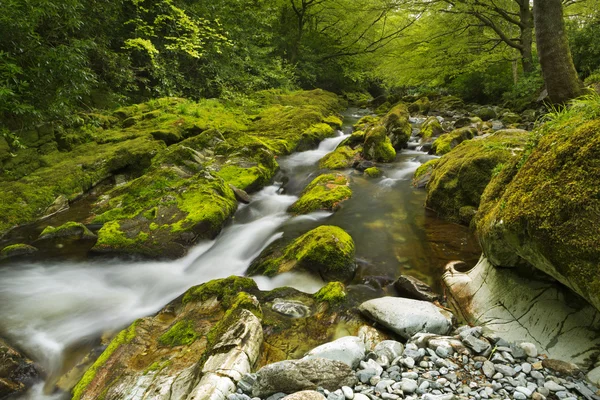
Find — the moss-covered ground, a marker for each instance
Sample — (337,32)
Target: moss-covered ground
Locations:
(180,155)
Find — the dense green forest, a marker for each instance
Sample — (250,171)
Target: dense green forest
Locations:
(59,59)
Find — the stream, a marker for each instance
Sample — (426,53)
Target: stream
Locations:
(56,309)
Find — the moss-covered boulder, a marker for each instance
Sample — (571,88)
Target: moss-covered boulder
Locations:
(447,104)
(373,172)
(459,178)
(162,213)
(327,251)
(547,210)
(200,344)
(366,122)
(423,173)
(397,125)
(448,141)
(486,113)
(69,230)
(17,250)
(430,127)
(510,119)
(326,192)
(421,106)
(343,157)
(378,146)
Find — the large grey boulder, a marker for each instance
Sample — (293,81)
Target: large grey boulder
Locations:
(306,374)
(350,350)
(407,317)
(520,309)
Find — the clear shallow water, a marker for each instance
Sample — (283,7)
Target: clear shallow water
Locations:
(52,309)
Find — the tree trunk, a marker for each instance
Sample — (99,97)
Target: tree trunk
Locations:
(559,72)
(526,28)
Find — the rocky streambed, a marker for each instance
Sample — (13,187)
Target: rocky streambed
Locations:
(341,210)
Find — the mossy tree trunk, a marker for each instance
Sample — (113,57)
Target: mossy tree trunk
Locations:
(558,70)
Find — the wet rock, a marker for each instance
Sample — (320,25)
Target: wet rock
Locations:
(17,250)
(305,374)
(291,308)
(423,173)
(70,230)
(326,192)
(17,372)
(61,203)
(350,350)
(460,177)
(240,194)
(411,287)
(562,367)
(389,348)
(363,165)
(407,317)
(496,295)
(326,250)
(305,395)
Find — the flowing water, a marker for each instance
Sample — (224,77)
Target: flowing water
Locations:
(55,310)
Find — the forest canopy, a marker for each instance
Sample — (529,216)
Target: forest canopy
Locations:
(62,58)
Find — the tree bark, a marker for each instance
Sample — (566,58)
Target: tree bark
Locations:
(558,70)
(526,28)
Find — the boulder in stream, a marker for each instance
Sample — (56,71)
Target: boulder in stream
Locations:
(326,192)
(522,309)
(459,178)
(69,230)
(543,209)
(326,250)
(17,250)
(448,141)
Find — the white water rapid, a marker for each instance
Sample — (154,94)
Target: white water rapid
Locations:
(46,308)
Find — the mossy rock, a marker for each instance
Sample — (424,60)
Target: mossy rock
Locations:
(546,211)
(421,106)
(448,103)
(397,125)
(459,178)
(333,293)
(373,172)
(366,122)
(378,146)
(423,173)
(510,119)
(327,251)
(326,192)
(180,339)
(160,214)
(312,136)
(448,141)
(69,230)
(467,122)
(356,139)
(343,157)
(486,113)
(17,250)
(384,108)
(431,127)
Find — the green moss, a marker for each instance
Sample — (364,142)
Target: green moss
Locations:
(431,127)
(111,235)
(448,141)
(366,122)
(343,157)
(325,192)
(124,337)
(223,289)
(421,106)
(241,177)
(459,178)
(181,333)
(333,293)
(334,121)
(397,126)
(373,172)
(157,366)
(17,250)
(423,173)
(326,250)
(378,146)
(545,211)
(69,229)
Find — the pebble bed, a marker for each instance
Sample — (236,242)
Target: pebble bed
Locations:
(468,365)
